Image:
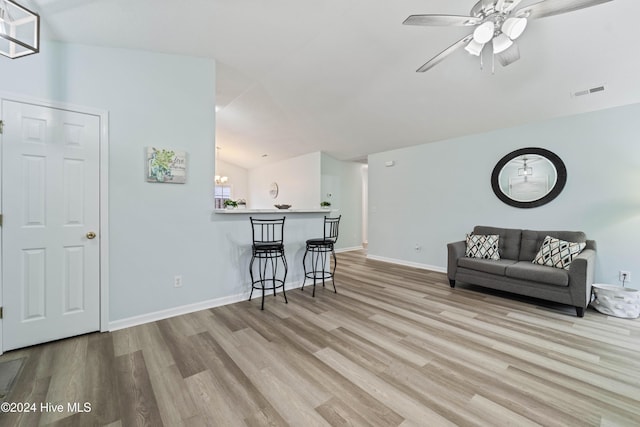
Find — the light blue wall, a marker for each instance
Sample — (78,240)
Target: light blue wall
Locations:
(437,192)
(156,230)
(343,182)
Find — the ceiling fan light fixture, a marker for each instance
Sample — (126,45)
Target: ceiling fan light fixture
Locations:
(484,32)
(499,21)
(514,27)
(501,43)
(509,56)
(474,48)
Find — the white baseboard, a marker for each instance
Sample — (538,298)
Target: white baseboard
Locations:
(185,309)
(435,268)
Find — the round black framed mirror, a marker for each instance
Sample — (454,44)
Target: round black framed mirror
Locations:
(528,177)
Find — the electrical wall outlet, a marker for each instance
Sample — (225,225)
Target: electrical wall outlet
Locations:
(177,281)
(624,276)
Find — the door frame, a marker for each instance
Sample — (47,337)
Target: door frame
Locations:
(103,115)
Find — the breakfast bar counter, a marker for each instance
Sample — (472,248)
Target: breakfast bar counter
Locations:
(271,210)
(234,242)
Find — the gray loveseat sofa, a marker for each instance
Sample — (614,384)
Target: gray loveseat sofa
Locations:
(514,271)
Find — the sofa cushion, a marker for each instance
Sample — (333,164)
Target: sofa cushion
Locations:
(482,246)
(538,273)
(532,241)
(558,253)
(488,266)
(509,241)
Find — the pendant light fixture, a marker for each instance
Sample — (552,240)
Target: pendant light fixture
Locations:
(219,179)
(525,170)
(19,30)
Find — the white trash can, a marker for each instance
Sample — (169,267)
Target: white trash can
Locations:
(616,300)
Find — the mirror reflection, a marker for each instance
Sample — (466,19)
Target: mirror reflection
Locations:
(528,177)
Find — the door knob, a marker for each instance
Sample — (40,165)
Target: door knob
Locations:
(91,235)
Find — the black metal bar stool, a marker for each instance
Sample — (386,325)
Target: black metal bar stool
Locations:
(267,248)
(319,249)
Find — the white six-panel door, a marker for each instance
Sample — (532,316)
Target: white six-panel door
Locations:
(50,207)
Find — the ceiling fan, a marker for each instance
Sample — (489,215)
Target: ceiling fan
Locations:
(498,22)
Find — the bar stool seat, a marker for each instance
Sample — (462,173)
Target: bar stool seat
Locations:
(320,242)
(268,249)
(319,248)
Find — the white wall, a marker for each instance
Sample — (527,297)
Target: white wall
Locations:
(156,230)
(342,186)
(238,179)
(448,190)
(307,180)
(298,181)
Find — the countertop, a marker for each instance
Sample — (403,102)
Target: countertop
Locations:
(272,210)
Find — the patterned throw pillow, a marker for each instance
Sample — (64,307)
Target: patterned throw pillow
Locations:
(557,253)
(482,246)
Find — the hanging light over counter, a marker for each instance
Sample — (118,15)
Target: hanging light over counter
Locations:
(219,179)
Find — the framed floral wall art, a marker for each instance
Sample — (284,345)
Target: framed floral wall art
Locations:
(166,166)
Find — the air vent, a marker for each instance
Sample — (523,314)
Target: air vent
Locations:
(588,91)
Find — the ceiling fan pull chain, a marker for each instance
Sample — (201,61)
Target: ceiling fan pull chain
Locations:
(493,64)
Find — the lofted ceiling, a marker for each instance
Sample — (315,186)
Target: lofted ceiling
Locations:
(299,76)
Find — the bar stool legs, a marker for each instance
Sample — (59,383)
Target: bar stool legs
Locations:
(318,265)
(268,261)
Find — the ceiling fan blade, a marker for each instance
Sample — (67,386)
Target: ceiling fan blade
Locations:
(442,20)
(488,4)
(510,5)
(442,55)
(555,7)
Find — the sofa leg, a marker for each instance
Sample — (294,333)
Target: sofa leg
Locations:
(452,283)
(580,311)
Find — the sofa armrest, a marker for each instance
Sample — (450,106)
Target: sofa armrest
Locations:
(581,277)
(455,250)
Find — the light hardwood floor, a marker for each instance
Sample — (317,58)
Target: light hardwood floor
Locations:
(396,346)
